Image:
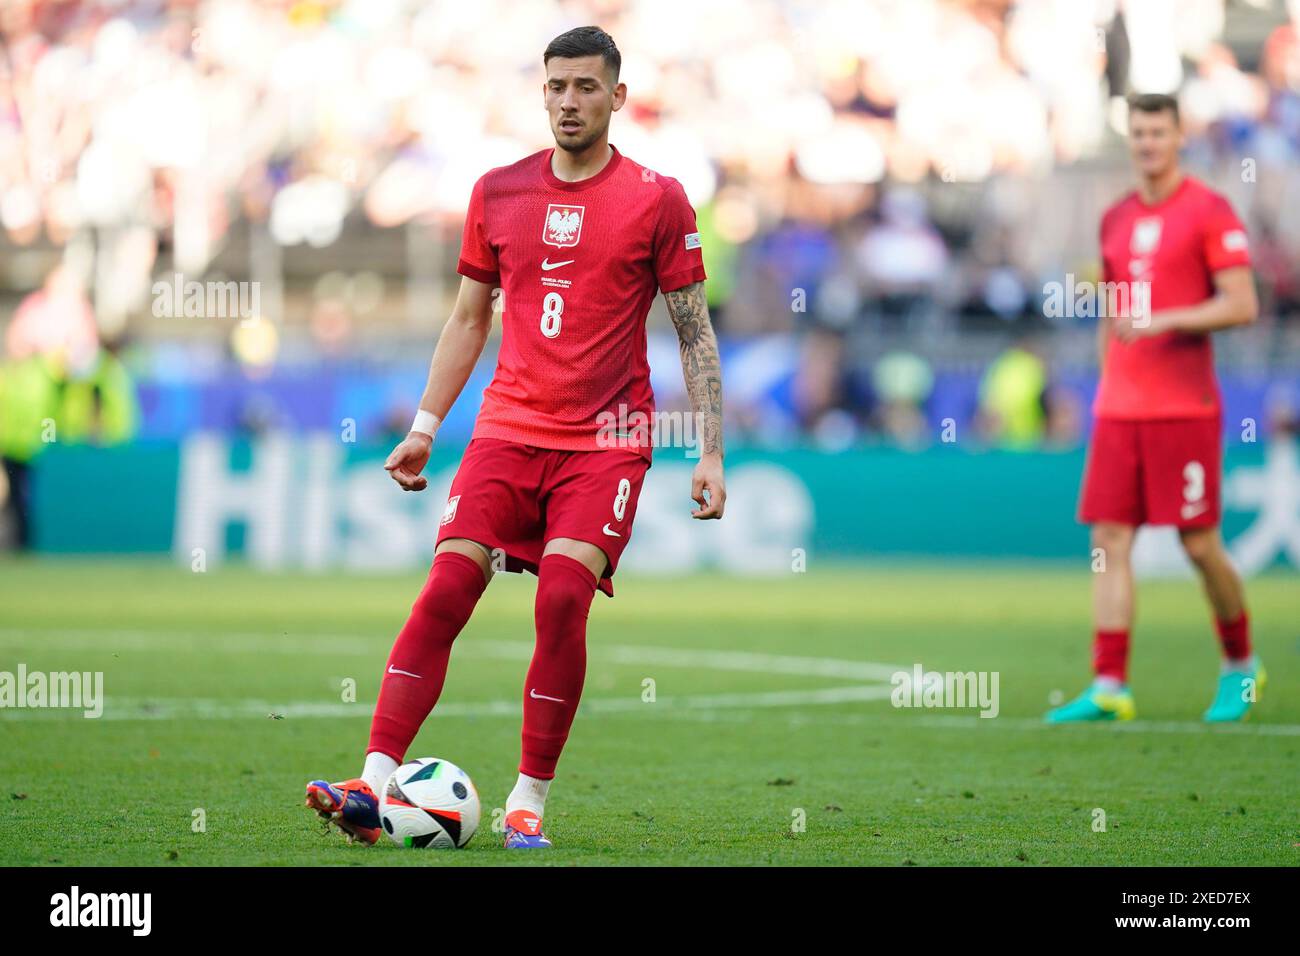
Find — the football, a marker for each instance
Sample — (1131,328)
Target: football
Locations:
(429,802)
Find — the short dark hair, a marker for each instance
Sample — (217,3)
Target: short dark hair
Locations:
(585,41)
(1154,103)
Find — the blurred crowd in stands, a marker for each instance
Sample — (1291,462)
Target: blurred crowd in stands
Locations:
(884,188)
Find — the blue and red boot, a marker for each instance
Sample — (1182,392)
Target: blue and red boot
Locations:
(351,806)
(524,831)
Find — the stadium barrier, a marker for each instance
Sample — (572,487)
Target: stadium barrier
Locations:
(316,502)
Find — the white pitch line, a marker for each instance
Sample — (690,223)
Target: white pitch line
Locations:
(963,722)
(468,646)
(756,663)
(736,661)
(700,707)
(869,672)
(172,708)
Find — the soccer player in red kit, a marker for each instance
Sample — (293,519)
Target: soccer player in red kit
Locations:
(1178,250)
(578,239)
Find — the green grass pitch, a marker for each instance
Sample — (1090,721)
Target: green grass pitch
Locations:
(770,739)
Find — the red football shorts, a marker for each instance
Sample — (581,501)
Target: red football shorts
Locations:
(513,498)
(1153,472)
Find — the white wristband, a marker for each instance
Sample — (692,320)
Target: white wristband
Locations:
(426,423)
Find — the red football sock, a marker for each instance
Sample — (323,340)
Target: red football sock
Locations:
(554,685)
(1110,654)
(1235,637)
(417,665)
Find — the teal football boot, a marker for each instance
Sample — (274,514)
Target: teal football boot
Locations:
(1095,703)
(1238,692)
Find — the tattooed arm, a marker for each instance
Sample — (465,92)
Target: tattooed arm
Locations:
(703,373)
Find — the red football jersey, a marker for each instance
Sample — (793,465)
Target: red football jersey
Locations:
(578,265)
(1176,245)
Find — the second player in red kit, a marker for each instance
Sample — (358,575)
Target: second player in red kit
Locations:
(571,245)
(1156,447)
(1179,257)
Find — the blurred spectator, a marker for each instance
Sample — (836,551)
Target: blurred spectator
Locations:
(903,258)
(29,402)
(99,407)
(1012,399)
(56,320)
(1065,417)
(902,383)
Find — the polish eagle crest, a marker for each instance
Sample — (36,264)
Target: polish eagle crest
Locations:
(563,225)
